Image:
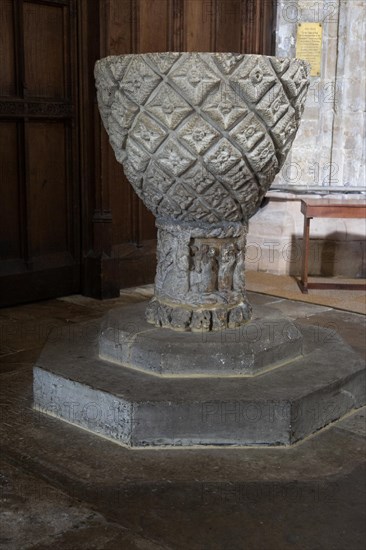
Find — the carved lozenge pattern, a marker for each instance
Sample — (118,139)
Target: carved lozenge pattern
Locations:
(201,136)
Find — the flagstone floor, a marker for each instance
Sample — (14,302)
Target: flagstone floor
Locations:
(64,488)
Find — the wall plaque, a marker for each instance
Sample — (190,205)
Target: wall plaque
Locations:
(309,45)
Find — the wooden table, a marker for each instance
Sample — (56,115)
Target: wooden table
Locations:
(327,208)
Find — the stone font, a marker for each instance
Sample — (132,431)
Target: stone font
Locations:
(201,137)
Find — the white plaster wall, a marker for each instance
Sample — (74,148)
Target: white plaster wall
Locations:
(328,155)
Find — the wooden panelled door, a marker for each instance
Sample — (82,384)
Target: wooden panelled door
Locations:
(39,182)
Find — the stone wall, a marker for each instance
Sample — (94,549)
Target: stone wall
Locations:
(329,149)
(274,244)
(328,154)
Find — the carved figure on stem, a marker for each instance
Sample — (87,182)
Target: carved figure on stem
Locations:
(239,273)
(227,265)
(208,269)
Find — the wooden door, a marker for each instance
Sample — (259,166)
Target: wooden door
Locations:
(121,221)
(39,182)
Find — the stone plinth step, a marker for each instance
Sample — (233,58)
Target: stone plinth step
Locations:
(279,406)
(268,341)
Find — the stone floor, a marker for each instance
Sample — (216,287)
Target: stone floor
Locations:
(64,488)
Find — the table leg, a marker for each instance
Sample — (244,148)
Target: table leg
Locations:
(305,256)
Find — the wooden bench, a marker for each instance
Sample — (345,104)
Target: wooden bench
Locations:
(327,208)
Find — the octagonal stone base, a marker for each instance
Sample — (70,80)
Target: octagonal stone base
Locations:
(262,344)
(259,403)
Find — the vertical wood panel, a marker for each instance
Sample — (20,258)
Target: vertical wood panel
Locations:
(119,27)
(257,25)
(153,26)
(268,17)
(176,25)
(44,50)
(48,212)
(228,26)
(146,223)
(198,24)
(247,17)
(10,246)
(7,48)
(87,54)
